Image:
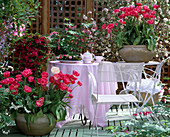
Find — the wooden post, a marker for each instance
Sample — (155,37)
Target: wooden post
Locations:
(45,17)
(89,7)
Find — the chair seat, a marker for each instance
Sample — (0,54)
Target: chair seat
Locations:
(146,86)
(114,99)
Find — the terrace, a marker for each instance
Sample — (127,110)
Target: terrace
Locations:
(52,51)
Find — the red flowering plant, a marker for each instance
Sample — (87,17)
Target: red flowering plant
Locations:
(36,97)
(132,25)
(32,52)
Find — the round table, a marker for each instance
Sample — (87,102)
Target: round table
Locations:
(81,103)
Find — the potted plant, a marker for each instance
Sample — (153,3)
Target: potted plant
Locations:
(132,26)
(68,41)
(36,103)
(32,52)
(105,41)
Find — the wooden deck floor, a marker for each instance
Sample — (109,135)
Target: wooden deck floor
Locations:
(74,128)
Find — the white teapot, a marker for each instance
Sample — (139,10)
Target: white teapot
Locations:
(87,57)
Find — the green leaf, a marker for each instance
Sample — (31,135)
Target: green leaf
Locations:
(28,119)
(149,44)
(40,113)
(47,102)
(50,117)
(137,40)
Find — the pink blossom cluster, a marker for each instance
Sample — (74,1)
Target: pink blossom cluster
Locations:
(132,11)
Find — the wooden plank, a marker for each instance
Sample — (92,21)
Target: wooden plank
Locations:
(73,132)
(59,133)
(66,132)
(53,132)
(80,133)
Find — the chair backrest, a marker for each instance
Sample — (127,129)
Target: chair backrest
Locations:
(120,72)
(158,69)
(156,74)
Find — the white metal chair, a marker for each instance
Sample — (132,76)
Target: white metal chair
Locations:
(114,72)
(150,85)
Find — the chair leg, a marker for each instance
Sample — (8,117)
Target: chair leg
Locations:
(94,121)
(129,110)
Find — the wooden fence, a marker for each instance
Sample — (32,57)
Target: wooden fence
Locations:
(53,13)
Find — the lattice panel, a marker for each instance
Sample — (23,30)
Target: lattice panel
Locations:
(71,9)
(98,7)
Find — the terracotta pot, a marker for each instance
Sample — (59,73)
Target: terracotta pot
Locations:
(136,53)
(39,128)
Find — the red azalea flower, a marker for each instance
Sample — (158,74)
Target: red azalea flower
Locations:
(152,12)
(39,80)
(63,86)
(51,79)
(26,72)
(155,6)
(139,4)
(135,115)
(0,86)
(11,80)
(66,80)
(151,21)
(57,82)
(6,74)
(41,99)
(44,74)
(37,41)
(108,31)
(38,103)
(148,112)
(30,79)
(140,113)
(14,92)
(73,81)
(79,83)
(70,96)
(34,53)
(122,16)
(69,90)
(126,131)
(44,88)
(56,76)
(110,26)
(146,16)
(43,81)
(75,73)
(116,24)
(5,81)
(27,89)
(116,11)
(144,113)
(104,26)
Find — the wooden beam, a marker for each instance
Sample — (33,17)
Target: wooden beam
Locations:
(45,17)
(89,7)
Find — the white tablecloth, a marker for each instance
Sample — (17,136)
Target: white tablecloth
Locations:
(81,94)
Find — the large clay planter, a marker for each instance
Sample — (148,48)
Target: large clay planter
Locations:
(136,53)
(39,128)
